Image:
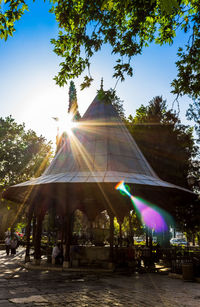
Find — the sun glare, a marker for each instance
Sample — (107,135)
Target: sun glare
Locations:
(66,124)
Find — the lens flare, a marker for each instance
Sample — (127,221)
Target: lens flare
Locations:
(152,216)
(122,188)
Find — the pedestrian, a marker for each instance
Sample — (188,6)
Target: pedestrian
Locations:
(13,245)
(57,254)
(7,244)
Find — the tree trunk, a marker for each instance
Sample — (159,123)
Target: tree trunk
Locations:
(147,238)
(120,234)
(131,230)
(150,241)
(193,239)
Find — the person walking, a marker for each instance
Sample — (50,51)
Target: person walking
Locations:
(7,244)
(13,245)
(57,254)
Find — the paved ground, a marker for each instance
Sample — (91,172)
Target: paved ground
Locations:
(19,287)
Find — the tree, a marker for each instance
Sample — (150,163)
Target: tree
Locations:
(194,113)
(74,115)
(132,221)
(166,143)
(128,26)
(22,155)
(170,149)
(73,105)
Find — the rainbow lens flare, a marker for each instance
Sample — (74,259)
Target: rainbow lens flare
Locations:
(152,216)
(122,188)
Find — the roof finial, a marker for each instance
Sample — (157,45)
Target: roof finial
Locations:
(101,87)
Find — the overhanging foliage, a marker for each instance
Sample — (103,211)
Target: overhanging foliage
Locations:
(127,26)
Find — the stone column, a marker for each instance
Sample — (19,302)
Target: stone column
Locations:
(40,213)
(38,234)
(34,228)
(62,231)
(28,232)
(66,262)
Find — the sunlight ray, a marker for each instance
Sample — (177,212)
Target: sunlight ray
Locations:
(29,190)
(78,147)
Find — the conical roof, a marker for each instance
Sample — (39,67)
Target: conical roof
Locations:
(100,150)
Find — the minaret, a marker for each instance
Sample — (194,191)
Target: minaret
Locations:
(101,86)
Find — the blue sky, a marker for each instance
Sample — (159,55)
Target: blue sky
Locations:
(28,65)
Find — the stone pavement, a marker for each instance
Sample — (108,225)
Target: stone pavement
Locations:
(19,287)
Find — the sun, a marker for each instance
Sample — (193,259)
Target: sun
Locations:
(66,124)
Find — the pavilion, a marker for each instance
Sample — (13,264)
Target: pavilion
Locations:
(98,154)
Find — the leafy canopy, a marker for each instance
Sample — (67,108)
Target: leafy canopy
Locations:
(127,26)
(194,113)
(170,149)
(166,143)
(22,153)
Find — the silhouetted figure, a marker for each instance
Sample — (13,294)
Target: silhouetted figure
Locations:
(57,254)
(7,244)
(13,245)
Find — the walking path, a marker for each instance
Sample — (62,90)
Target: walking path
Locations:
(19,287)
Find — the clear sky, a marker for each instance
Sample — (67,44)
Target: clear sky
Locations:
(28,65)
